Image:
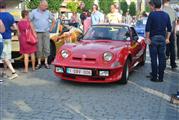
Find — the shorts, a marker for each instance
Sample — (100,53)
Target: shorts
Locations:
(43,45)
(6,53)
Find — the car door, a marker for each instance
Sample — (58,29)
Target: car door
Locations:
(135,45)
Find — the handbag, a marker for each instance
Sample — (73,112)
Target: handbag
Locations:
(31,39)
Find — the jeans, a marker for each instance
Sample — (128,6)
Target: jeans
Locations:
(170,50)
(157,51)
(177,46)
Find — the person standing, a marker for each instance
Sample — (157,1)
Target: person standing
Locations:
(87,22)
(83,15)
(157,37)
(114,16)
(26,48)
(75,20)
(127,18)
(2,29)
(177,36)
(151,6)
(40,18)
(170,51)
(9,22)
(96,16)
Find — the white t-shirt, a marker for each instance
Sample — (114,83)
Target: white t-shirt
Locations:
(114,18)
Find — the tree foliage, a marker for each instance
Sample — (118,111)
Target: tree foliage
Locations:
(53,5)
(105,5)
(147,8)
(73,6)
(132,9)
(88,4)
(124,6)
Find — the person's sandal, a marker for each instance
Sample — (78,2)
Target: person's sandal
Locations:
(47,66)
(38,66)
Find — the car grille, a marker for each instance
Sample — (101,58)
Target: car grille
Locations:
(85,59)
(77,59)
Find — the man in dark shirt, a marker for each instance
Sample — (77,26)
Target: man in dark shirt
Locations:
(157,37)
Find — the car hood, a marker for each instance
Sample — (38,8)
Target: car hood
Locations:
(95,48)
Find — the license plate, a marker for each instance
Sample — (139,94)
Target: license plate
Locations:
(76,71)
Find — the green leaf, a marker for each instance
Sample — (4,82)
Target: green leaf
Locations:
(124,6)
(105,5)
(53,5)
(73,6)
(132,9)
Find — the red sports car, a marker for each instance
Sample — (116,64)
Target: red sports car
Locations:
(106,53)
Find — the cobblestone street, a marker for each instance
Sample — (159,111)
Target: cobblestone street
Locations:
(40,95)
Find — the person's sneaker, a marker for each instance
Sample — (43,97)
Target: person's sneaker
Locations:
(156,80)
(1,81)
(14,75)
(174,67)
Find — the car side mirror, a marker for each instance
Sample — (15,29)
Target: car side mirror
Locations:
(135,38)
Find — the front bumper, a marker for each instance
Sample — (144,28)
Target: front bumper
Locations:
(115,74)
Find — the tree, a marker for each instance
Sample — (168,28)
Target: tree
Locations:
(105,5)
(124,6)
(88,4)
(73,6)
(132,9)
(139,4)
(53,5)
(147,8)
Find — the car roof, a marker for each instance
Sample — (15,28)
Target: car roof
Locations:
(111,24)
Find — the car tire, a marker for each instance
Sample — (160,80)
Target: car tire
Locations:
(52,55)
(142,63)
(125,74)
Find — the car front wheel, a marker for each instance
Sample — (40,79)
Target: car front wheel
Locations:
(125,74)
(52,52)
(143,58)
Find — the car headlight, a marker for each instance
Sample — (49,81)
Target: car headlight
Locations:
(64,53)
(107,56)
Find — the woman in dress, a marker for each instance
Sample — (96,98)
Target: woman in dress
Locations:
(25,48)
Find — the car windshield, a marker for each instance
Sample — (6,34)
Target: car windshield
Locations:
(107,33)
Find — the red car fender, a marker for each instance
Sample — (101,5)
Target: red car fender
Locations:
(123,55)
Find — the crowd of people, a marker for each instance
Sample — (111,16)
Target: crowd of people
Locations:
(161,42)
(33,26)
